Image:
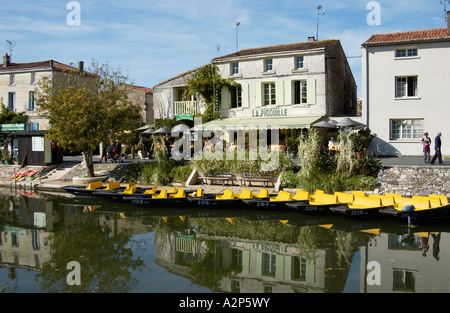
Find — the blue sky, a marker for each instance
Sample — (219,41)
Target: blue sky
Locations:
(151,41)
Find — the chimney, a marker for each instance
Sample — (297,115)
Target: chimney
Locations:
(6,60)
(80,66)
(311,38)
(448,22)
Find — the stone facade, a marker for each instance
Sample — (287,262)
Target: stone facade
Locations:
(415,180)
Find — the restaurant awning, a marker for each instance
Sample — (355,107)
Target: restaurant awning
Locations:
(260,123)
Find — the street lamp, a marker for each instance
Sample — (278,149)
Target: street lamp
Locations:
(237,25)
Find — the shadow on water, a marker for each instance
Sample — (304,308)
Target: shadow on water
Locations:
(121,247)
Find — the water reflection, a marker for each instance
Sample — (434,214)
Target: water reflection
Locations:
(243,250)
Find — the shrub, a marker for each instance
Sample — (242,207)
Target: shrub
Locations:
(289,179)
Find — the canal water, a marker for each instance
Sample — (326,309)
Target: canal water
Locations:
(59,243)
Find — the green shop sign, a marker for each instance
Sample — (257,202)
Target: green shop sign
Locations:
(269,112)
(12,127)
(184,116)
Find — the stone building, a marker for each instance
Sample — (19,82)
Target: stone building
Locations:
(289,86)
(404,88)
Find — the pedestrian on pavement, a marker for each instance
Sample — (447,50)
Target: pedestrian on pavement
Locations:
(437,148)
(426,143)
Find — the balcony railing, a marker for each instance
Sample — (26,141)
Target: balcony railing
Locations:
(185,107)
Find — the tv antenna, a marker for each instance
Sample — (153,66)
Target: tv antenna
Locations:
(10,46)
(444,4)
(322,13)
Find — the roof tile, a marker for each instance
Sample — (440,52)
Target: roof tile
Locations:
(410,36)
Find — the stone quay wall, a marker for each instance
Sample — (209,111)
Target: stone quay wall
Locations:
(415,180)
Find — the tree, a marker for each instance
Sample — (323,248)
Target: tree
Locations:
(206,82)
(11,117)
(86,108)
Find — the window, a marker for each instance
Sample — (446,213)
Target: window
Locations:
(236,97)
(234,68)
(300,92)
(12,79)
(401,53)
(269,264)
(269,94)
(268,65)
(33,78)
(31,101)
(406,87)
(299,62)
(406,129)
(11,101)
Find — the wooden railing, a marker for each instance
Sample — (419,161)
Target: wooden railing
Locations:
(182,107)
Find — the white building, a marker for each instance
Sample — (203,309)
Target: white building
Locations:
(289,86)
(405,80)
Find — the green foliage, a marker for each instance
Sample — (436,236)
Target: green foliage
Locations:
(289,179)
(361,140)
(11,117)
(205,82)
(85,108)
(238,164)
(162,173)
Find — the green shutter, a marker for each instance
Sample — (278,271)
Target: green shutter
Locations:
(311,91)
(258,95)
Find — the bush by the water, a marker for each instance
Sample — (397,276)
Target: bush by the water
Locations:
(162,173)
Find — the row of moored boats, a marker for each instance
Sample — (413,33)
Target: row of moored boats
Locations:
(354,204)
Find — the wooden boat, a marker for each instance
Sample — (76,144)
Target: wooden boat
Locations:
(226,200)
(429,208)
(363,206)
(322,202)
(92,188)
(164,198)
(279,201)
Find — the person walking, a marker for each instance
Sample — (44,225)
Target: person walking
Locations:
(437,149)
(426,143)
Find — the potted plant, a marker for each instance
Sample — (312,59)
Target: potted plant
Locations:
(361,142)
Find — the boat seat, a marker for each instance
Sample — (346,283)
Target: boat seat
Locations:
(418,203)
(324,199)
(112,186)
(131,188)
(152,190)
(365,203)
(301,195)
(264,193)
(282,196)
(180,194)
(198,193)
(228,194)
(434,202)
(344,197)
(95,185)
(385,199)
(317,193)
(444,199)
(174,190)
(358,194)
(161,195)
(246,194)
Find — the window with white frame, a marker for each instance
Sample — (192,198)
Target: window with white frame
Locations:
(402,53)
(31,101)
(268,65)
(11,101)
(406,86)
(405,129)
(300,92)
(299,62)
(269,94)
(236,97)
(234,68)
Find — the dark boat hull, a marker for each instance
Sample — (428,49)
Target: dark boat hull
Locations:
(82,191)
(264,204)
(428,215)
(212,202)
(310,208)
(356,212)
(157,202)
